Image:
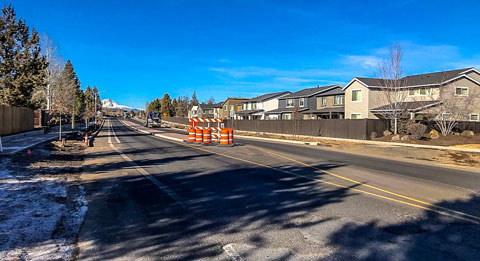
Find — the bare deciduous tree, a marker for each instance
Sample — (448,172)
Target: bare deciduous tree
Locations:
(53,70)
(453,105)
(392,86)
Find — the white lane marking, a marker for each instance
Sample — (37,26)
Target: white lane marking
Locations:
(109,133)
(234,255)
(114,134)
(155,181)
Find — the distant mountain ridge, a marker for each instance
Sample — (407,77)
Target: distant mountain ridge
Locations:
(111,104)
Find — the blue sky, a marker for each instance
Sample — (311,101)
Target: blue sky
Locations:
(134,51)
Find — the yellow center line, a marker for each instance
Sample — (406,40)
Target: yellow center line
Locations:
(366,185)
(429,207)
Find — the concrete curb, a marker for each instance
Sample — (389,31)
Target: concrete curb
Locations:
(368,142)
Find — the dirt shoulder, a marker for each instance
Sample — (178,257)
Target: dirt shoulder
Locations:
(42,202)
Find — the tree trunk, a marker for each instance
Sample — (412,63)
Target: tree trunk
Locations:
(60,130)
(73,121)
(396,126)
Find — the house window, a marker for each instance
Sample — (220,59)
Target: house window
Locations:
(339,100)
(420,92)
(301,102)
(231,108)
(324,101)
(461,91)
(290,103)
(474,117)
(287,116)
(356,95)
(355,116)
(254,105)
(244,106)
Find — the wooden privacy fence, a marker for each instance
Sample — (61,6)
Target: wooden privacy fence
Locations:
(335,128)
(15,120)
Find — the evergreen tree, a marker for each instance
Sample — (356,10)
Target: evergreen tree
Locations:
(166,105)
(155,105)
(97,100)
(22,66)
(173,109)
(71,85)
(193,101)
(89,104)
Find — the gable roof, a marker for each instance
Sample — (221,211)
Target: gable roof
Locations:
(267,96)
(335,91)
(435,78)
(309,92)
(205,106)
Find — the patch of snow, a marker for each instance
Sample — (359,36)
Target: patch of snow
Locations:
(35,221)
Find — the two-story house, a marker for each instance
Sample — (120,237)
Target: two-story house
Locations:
(231,106)
(217,110)
(205,110)
(330,105)
(367,98)
(256,108)
(299,105)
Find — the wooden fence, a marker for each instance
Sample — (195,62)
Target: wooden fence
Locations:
(336,128)
(15,120)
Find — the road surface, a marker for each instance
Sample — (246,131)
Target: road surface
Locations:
(157,199)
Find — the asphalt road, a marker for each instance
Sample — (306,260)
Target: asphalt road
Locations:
(271,201)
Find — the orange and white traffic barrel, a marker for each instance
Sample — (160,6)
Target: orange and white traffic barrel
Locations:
(224,137)
(207,136)
(230,136)
(86,139)
(199,135)
(191,135)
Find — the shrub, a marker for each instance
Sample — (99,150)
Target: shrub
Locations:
(417,130)
(373,135)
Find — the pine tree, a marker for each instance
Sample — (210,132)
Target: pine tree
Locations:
(173,109)
(193,101)
(22,66)
(166,105)
(71,85)
(89,104)
(155,105)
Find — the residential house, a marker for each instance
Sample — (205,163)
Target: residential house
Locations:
(300,105)
(230,107)
(217,110)
(255,108)
(194,112)
(330,105)
(205,110)
(365,98)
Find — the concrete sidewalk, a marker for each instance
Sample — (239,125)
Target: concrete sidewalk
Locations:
(14,143)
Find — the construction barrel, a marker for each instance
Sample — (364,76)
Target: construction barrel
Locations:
(191,135)
(199,135)
(224,137)
(230,136)
(207,136)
